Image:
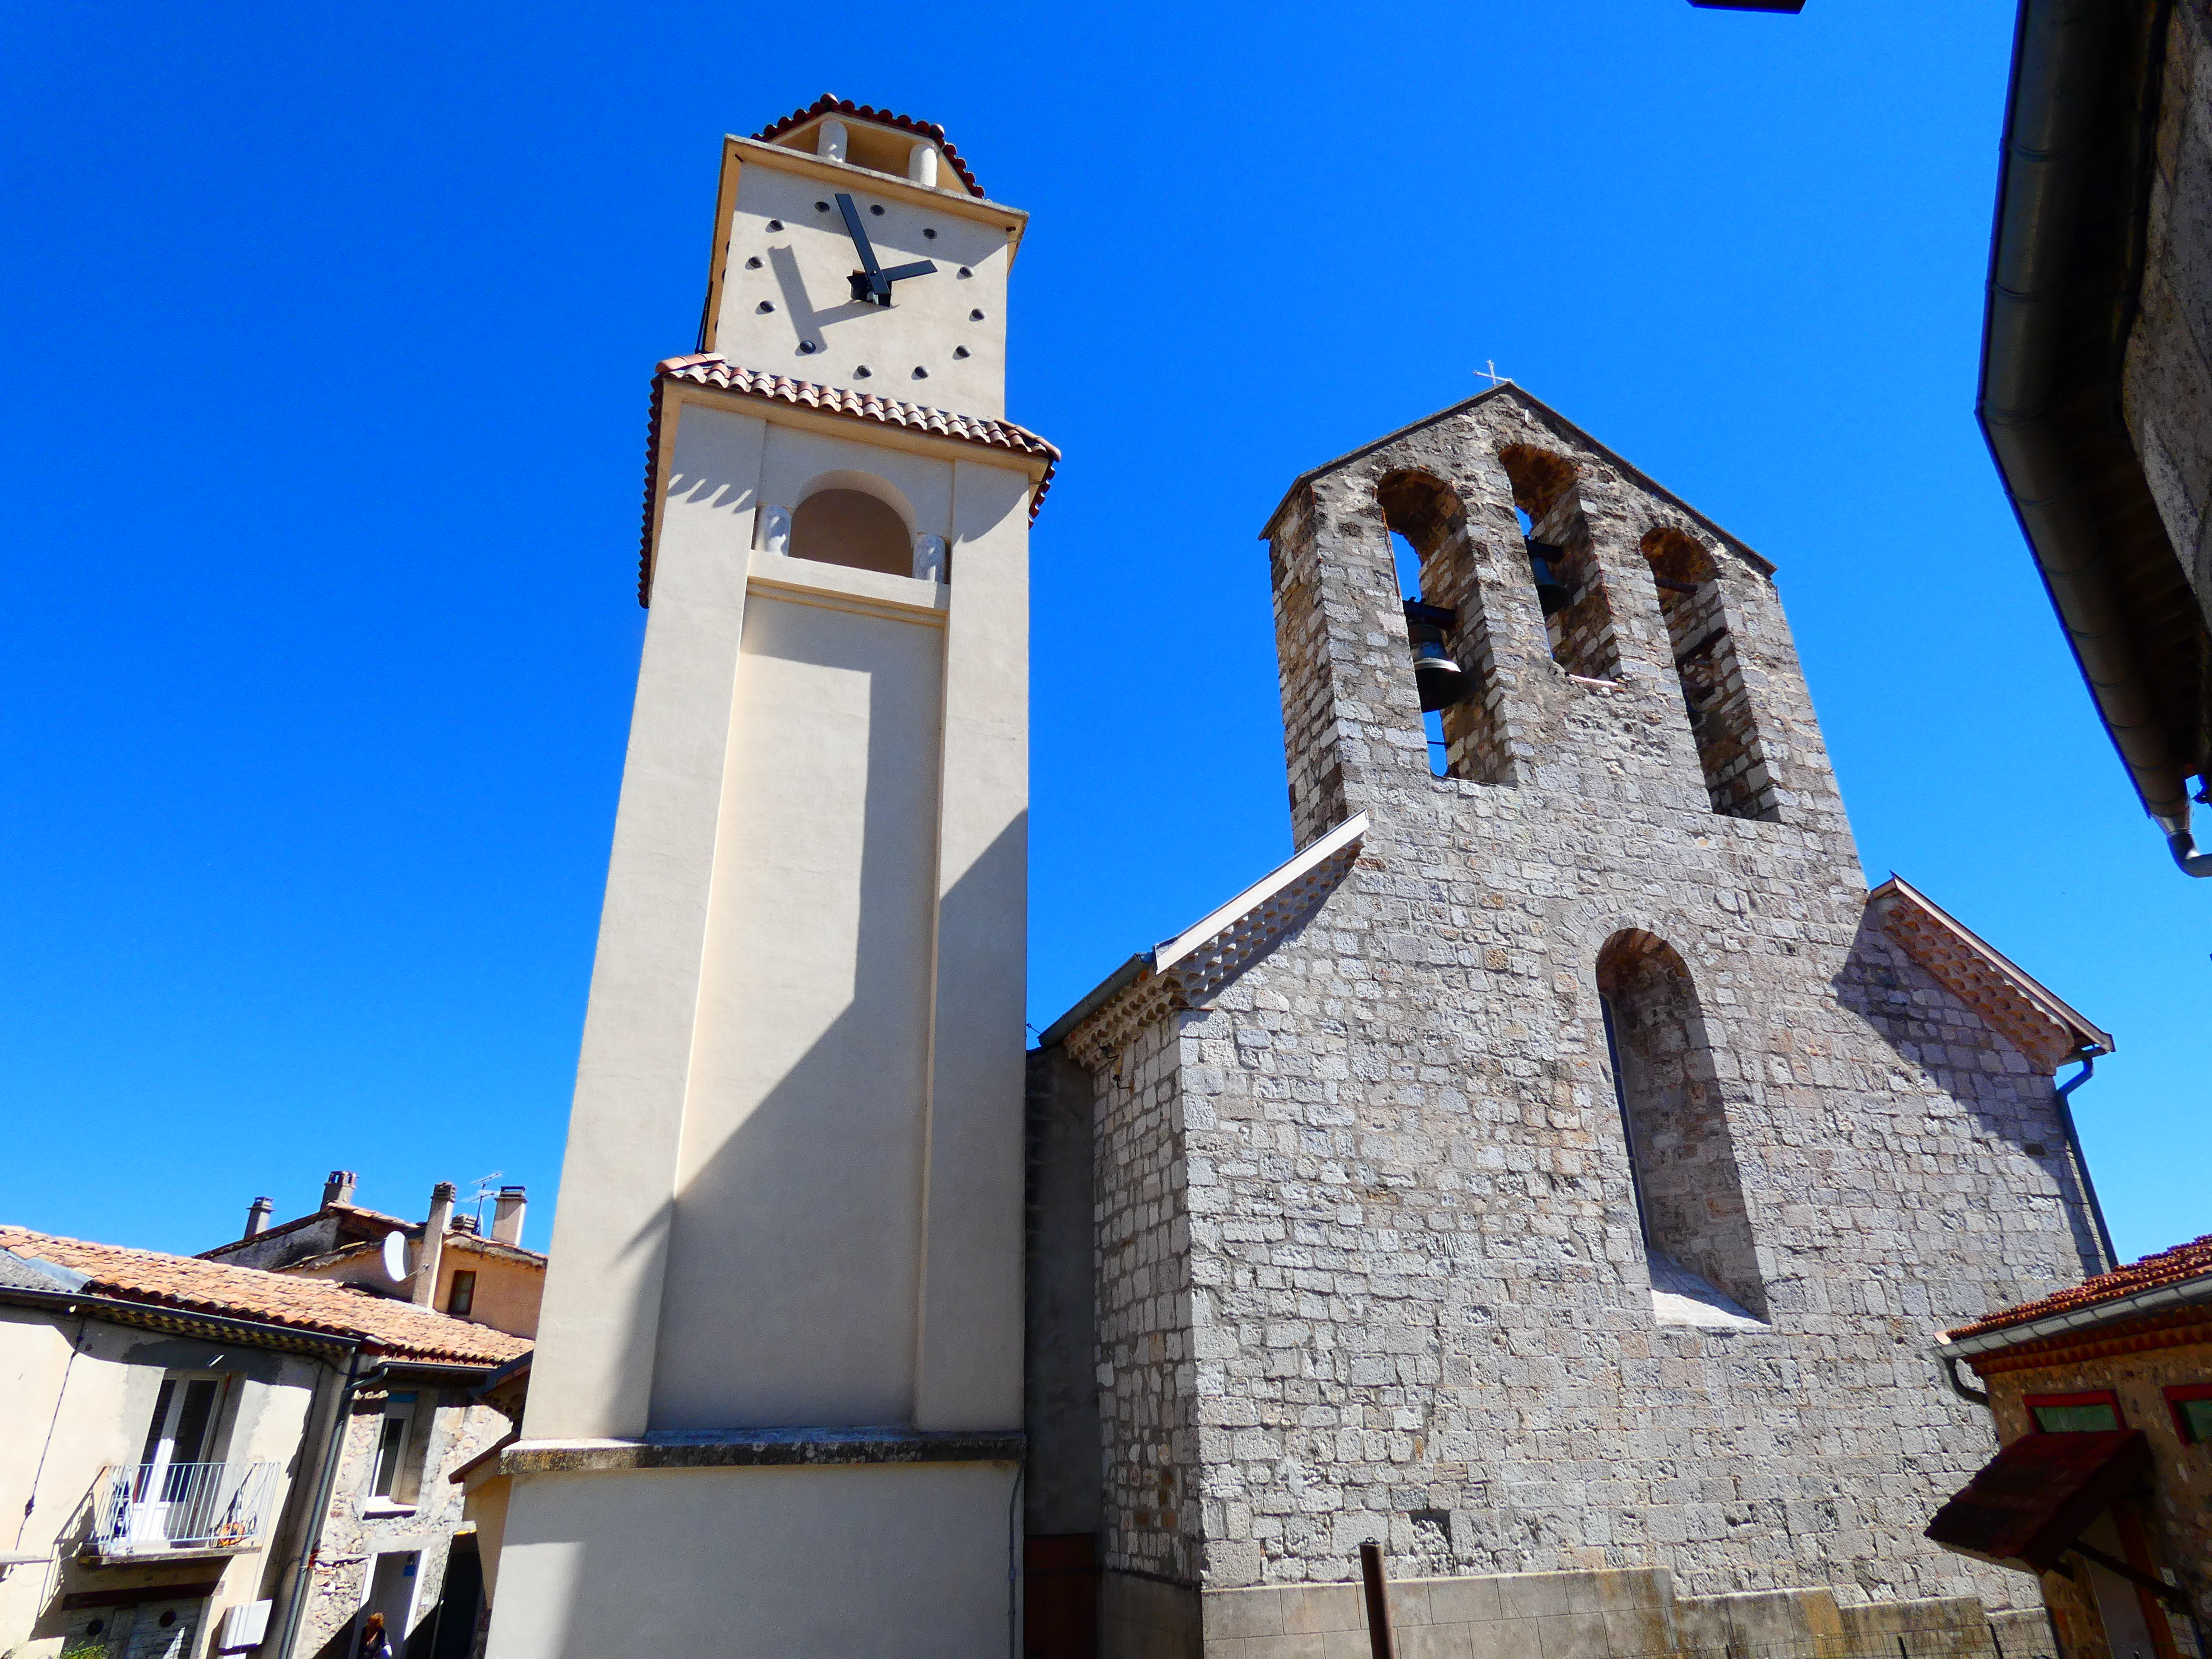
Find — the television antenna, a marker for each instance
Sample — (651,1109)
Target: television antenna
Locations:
(482,1187)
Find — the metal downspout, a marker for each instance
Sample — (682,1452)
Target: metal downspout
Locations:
(2058,60)
(2087,1056)
(355,1380)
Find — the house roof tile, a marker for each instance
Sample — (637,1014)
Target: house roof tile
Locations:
(393,1328)
(713,370)
(2178,1265)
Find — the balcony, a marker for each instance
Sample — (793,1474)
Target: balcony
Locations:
(163,1511)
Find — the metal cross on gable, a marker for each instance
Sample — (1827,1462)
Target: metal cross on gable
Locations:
(1489,372)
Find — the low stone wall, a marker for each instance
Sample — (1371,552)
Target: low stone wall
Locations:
(1622,1614)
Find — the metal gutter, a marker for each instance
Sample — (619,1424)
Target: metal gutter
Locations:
(2191,1292)
(1103,993)
(2059,54)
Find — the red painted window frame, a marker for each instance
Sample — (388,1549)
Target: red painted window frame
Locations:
(2175,1395)
(2084,1397)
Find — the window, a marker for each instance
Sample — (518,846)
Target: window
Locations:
(2191,1406)
(461,1295)
(1427,525)
(2075,1414)
(852,527)
(396,1475)
(1714,696)
(1681,1153)
(1563,562)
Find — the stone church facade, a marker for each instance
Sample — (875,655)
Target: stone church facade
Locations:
(1340,1228)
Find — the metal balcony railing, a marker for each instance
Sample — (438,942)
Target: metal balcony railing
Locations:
(163,1509)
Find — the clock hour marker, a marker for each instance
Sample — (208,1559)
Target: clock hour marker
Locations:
(753,263)
(876,207)
(822,207)
(960,351)
(776,224)
(975,316)
(862,372)
(964,272)
(929,231)
(920,373)
(764,307)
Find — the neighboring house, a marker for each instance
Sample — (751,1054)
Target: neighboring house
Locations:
(491,1280)
(2096,388)
(2103,1399)
(170,1454)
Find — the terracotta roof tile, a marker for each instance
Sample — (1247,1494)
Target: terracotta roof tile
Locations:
(829,104)
(2174,1266)
(313,1305)
(712,369)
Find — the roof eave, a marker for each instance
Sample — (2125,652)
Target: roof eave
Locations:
(2160,1298)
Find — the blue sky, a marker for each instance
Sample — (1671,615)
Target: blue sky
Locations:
(324,406)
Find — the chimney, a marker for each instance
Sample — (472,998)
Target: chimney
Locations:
(434,1242)
(507,1216)
(257,1216)
(338,1189)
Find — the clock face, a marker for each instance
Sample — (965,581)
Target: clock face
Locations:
(879,291)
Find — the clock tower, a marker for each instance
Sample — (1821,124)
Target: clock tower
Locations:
(776,1400)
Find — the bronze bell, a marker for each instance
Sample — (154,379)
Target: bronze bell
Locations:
(1440,681)
(1544,565)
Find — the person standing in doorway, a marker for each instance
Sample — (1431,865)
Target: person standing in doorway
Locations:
(374,1643)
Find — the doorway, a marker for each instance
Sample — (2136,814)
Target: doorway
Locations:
(390,1591)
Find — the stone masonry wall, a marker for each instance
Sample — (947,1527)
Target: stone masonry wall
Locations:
(1369,1264)
(1145,1374)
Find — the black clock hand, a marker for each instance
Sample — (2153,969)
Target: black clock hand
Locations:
(858,233)
(872,284)
(868,283)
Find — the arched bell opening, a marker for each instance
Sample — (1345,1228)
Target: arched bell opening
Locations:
(850,519)
(1687,1188)
(1714,696)
(1446,641)
(1563,564)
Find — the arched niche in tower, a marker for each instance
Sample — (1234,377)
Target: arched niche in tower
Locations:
(1563,562)
(1681,1151)
(1428,514)
(1714,694)
(856,519)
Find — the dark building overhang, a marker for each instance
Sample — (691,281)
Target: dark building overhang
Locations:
(2066,264)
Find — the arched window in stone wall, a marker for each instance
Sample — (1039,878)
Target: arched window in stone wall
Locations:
(1713,691)
(1689,1191)
(1443,602)
(1563,562)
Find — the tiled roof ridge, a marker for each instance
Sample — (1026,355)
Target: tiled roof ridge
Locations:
(2175,1265)
(1184,971)
(711,369)
(348,1212)
(157,1279)
(457,1238)
(830,104)
(2026,1012)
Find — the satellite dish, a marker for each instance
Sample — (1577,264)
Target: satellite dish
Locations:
(395,1256)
